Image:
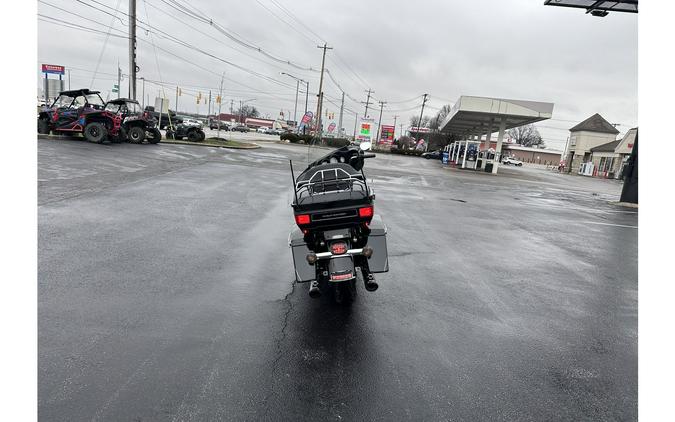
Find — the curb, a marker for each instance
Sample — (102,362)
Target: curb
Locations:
(163,141)
(624,204)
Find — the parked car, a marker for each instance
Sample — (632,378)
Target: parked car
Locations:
(262,129)
(213,125)
(511,160)
(191,121)
(166,119)
(240,128)
(432,154)
(274,132)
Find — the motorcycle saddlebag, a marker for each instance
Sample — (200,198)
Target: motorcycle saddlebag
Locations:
(379,261)
(303,271)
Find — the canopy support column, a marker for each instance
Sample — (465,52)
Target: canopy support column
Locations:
(498,148)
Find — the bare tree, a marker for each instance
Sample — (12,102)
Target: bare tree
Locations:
(440,116)
(248,111)
(527,136)
(414,120)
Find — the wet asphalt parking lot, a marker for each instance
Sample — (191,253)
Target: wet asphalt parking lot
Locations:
(166,293)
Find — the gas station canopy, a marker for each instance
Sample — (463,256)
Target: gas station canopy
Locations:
(482,115)
(598,7)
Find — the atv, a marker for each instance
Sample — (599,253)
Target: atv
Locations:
(134,126)
(84,111)
(182,130)
(76,111)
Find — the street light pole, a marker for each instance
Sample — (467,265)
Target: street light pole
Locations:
(297,90)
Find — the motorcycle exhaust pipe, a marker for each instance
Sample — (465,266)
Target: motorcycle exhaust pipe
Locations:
(314,291)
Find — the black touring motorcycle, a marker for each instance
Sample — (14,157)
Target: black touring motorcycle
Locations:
(338,233)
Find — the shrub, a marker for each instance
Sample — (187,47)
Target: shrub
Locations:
(291,137)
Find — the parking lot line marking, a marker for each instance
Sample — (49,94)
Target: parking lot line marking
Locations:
(610,224)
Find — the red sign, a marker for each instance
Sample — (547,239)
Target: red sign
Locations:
(387,134)
(53,68)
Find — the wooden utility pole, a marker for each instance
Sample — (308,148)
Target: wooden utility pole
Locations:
(220,97)
(342,107)
(319,104)
(419,123)
(395,117)
(379,123)
(132,49)
(369,91)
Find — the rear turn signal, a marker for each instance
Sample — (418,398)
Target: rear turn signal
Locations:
(366,212)
(302,219)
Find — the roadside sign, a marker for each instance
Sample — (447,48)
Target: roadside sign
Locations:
(365,132)
(116,88)
(53,68)
(331,127)
(386,135)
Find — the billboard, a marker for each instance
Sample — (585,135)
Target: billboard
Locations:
(386,135)
(331,127)
(53,68)
(365,130)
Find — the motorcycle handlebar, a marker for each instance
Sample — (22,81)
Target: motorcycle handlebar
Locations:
(369,155)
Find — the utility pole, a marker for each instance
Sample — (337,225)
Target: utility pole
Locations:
(68,79)
(318,106)
(132,49)
(295,110)
(231,106)
(220,97)
(369,91)
(176,105)
(119,79)
(143,94)
(379,123)
(356,121)
(209,111)
(419,123)
(342,107)
(395,117)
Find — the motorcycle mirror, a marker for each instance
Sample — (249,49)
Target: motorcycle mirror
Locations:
(365,146)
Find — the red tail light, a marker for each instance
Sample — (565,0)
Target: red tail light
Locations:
(366,212)
(338,248)
(302,219)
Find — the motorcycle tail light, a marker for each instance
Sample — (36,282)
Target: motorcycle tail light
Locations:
(302,219)
(338,248)
(366,212)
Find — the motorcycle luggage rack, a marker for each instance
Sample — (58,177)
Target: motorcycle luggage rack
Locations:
(329,181)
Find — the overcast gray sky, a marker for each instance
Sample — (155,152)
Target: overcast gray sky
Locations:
(517,49)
